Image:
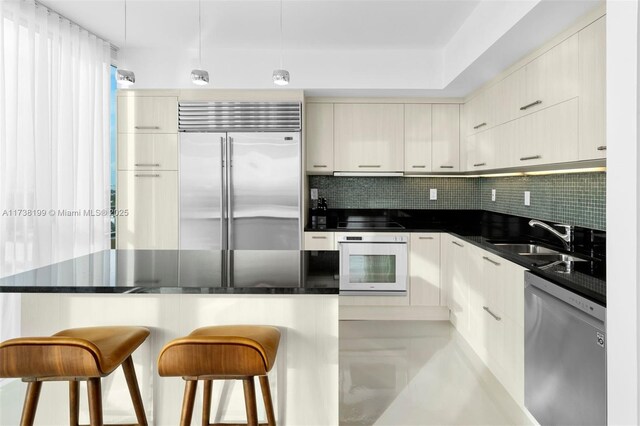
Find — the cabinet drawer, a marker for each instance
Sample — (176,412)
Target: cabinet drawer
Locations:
(151,199)
(147,114)
(140,151)
(319,241)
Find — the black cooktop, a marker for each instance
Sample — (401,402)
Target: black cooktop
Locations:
(369,222)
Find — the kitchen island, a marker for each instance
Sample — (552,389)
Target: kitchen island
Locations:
(173,292)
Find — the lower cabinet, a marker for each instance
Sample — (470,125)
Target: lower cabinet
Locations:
(319,241)
(487,308)
(151,200)
(424,269)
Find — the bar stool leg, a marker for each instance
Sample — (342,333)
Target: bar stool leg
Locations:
(266,397)
(95,401)
(74,403)
(250,401)
(206,403)
(30,403)
(187,402)
(134,390)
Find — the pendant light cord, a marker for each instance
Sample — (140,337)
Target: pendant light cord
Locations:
(125,30)
(281,43)
(199,34)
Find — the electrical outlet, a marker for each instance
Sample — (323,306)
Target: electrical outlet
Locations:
(527,198)
(433,194)
(493,195)
(314,193)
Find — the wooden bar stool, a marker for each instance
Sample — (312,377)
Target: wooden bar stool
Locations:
(238,352)
(73,355)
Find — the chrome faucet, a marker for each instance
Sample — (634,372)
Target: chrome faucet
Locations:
(567,237)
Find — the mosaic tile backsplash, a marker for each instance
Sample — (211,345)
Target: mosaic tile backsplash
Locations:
(576,199)
(396,192)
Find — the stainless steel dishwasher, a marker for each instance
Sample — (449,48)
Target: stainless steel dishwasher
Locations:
(565,356)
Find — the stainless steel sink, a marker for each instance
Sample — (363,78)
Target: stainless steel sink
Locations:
(526,249)
(549,258)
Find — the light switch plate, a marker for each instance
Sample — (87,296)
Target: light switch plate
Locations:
(433,194)
(493,195)
(527,198)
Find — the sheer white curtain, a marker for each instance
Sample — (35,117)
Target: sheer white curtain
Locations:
(54,142)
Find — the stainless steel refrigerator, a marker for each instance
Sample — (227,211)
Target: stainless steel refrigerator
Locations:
(239,189)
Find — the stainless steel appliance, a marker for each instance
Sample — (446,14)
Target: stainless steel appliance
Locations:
(239,175)
(565,356)
(373,265)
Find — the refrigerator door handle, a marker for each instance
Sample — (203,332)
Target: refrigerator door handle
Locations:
(223,194)
(229,186)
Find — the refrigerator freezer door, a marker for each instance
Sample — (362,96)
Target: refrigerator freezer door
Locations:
(201,191)
(263,199)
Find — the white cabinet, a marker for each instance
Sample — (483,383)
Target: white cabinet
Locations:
(151,199)
(369,137)
(455,276)
(417,138)
(319,137)
(552,77)
(147,151)
(593,138)
(508,94)
(497,318)
(424,269)
(479,113)
(549,136)
(445,137)
(147,114)
(319,241)
(481,150)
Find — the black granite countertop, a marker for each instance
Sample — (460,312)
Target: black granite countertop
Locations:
(185,272)
(483,228)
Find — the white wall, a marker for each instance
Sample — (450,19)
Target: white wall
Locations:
(622,213)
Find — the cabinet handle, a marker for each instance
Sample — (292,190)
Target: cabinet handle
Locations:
(369,165)
(319,165)
(317,237)
(147,165)
(147,127)
(457,243)
(425,238)
(533,157)
(479,164)
(538,102)
(491,261)
(419,167)
(150,281)
(479,125)
(446,167)
(486,308)
(602,148)
(153,175)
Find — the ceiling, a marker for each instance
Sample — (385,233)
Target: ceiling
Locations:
(331,47)
(307,24)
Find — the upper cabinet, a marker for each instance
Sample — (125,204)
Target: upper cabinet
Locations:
(552,77)
(417,138)
(446,137)
(319,137)
(549,111)
(147,114)
(593,138)
(369,137)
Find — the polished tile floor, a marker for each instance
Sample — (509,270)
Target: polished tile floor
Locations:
(416,373)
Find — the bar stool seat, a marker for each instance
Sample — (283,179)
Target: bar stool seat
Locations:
(223,352)
(74,355)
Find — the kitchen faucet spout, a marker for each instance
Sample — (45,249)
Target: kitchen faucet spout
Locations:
(567,237)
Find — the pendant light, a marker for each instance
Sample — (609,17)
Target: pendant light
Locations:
(125,77)
(281,76)
(200,76)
